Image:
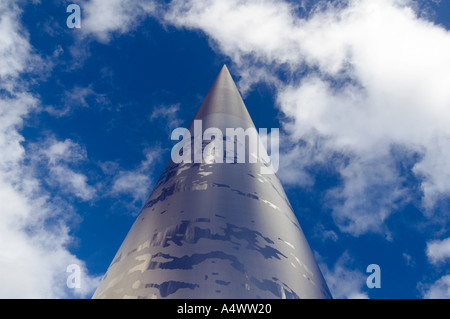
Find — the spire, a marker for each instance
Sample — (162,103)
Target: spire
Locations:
(215,230)
(223,97)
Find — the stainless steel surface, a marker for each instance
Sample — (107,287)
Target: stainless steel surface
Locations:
(215,230)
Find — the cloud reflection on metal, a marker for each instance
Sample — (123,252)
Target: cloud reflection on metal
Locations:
(215,230)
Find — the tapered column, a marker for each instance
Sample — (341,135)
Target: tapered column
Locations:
(215,229)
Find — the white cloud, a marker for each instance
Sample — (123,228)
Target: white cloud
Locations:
(133,183)
(439,289)
(325,234)
(34,231)
(438,251)
(371,190)
(251,26)
(136,183)
(167,113)
(72,182)
(103,19)
(34,227)
(293,162)
(14,47)
(66,151)
(75,98)
(409,260)
(343,280)
(58,161)
(375,78)
(78,96)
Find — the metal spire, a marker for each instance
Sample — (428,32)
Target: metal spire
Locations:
(215,230)
(223,97)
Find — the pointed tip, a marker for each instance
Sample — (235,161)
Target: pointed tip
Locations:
(225,69)
(224,97)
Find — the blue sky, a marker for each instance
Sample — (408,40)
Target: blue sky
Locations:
(358,88)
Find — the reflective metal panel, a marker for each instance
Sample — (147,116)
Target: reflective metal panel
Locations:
(219,230)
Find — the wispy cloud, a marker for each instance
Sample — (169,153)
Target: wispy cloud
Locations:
(135,184)
(168,114)
(343,280)
(61,155)
(75,98)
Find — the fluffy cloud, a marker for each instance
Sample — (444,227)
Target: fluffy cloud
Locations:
(14,47)
(374,80)
(34,231)
(103,19)
(34,227)
(440,289)
(438,251)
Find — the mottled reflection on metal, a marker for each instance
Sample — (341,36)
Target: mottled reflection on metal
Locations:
(215,230)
